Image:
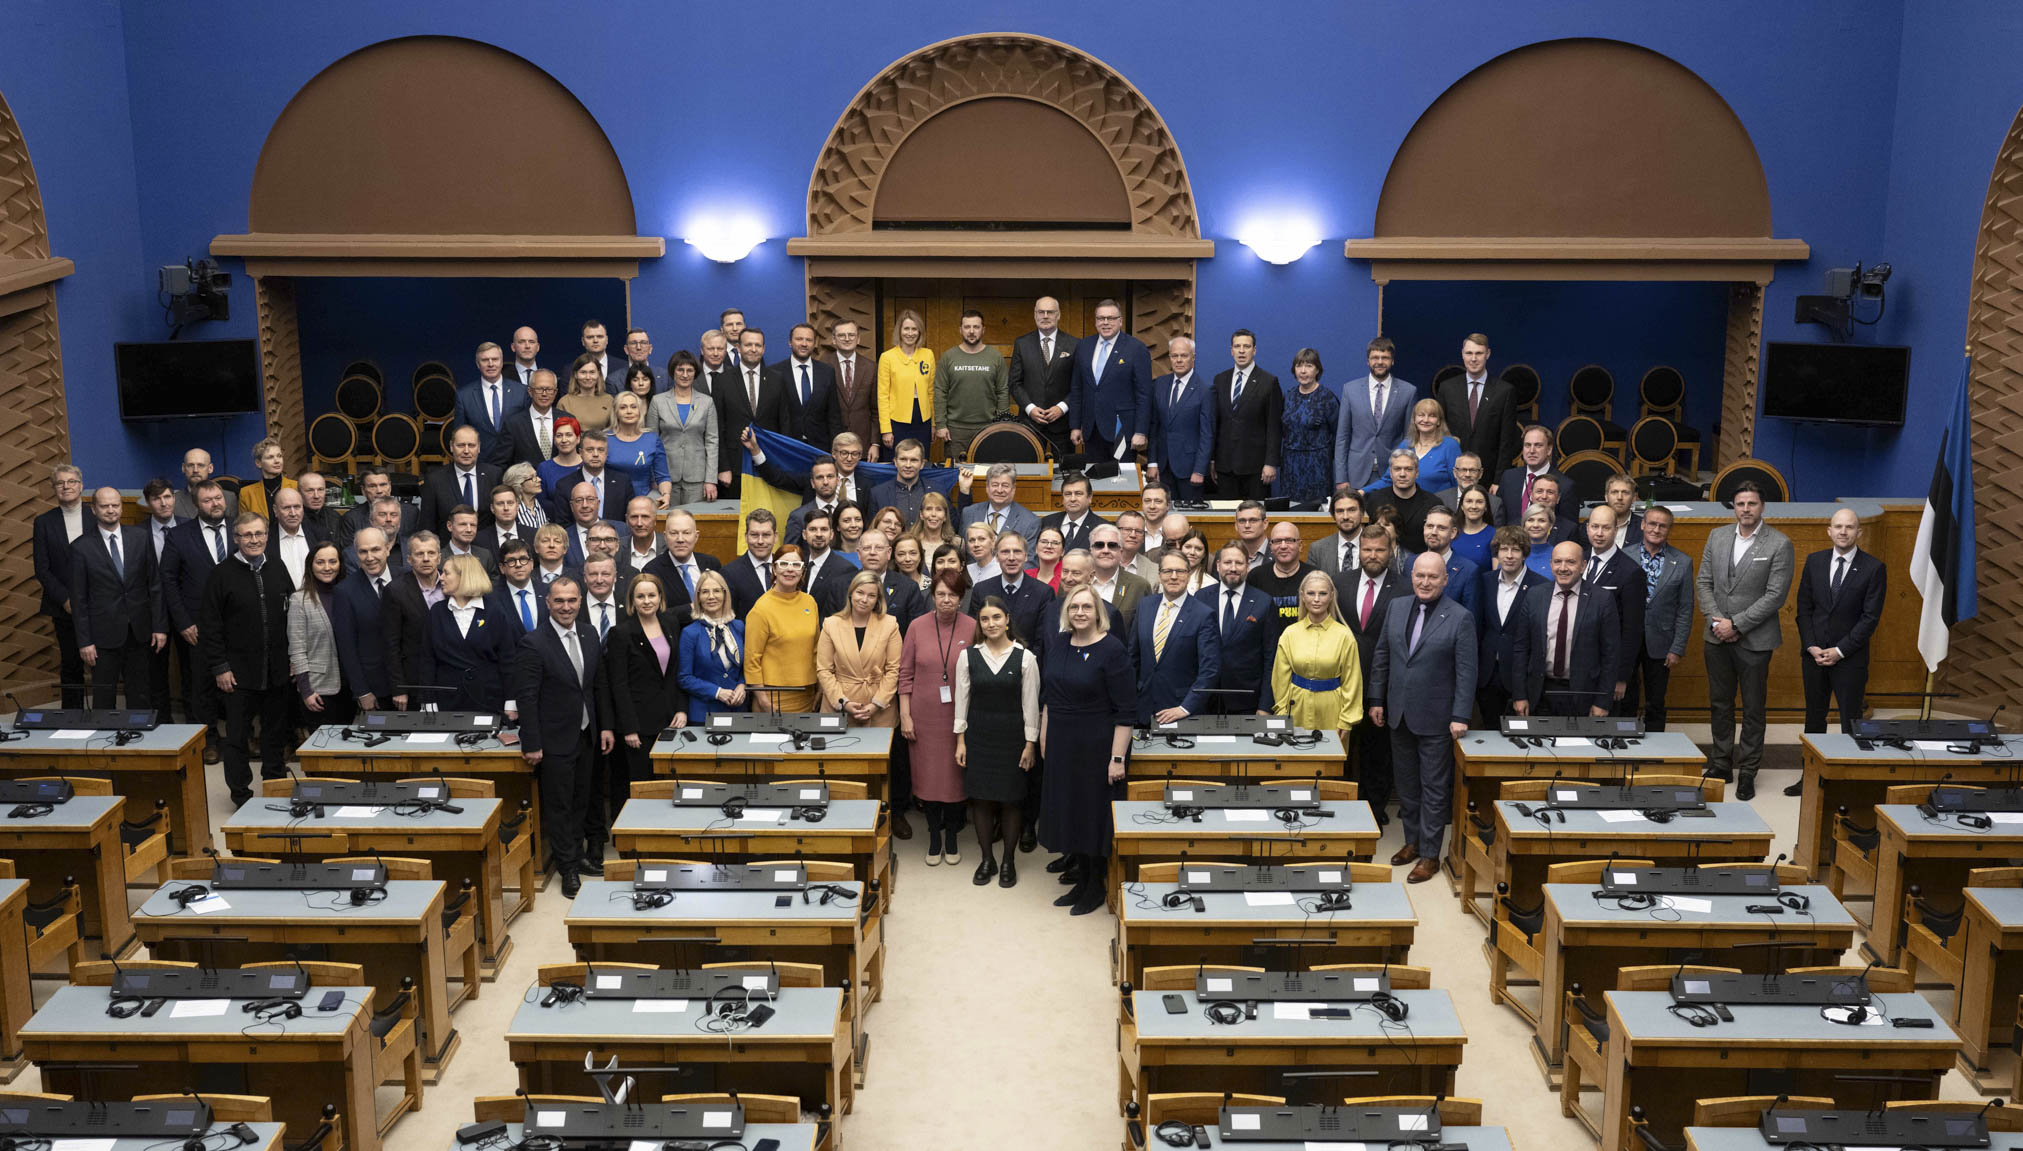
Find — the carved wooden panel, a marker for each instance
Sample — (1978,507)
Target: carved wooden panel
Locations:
(911,91)
(833,299)
(1984,662)
(281,367)
(1161,310)
(1740,363)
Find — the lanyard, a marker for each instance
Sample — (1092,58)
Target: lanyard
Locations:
(942,642)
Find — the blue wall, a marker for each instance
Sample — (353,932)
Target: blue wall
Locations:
(1293,107)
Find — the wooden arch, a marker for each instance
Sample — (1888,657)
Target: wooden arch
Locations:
(1587,159)
(846,253)
(34,425)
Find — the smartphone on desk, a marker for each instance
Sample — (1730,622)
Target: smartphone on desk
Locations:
(509,737)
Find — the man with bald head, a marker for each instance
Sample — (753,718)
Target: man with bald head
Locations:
(357,626)
(1041,369)
(1617,575)
(526,346)
(1840,601)
(197,469)
(1183,422)
(1566,650)
(1422,688)
(116,602)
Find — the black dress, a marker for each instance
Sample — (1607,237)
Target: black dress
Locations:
(1088,694)
(996,735)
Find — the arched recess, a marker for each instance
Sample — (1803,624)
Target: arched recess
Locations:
(1587,159)
(1151,242)
(34,426)
(383,165)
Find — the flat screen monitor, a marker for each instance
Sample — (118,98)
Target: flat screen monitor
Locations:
(187,378)
(1836,383)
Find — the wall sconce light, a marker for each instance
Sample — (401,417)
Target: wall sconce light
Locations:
(1280,241)
(725,241)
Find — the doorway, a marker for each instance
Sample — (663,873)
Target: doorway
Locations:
(1007,307)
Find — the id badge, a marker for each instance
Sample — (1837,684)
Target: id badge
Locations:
(947,694)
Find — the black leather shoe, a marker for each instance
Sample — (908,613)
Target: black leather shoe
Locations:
(1068,897)
(1008,875)
(1796,789)
(572,883)
(1029,840)
(1072,874)
(984,872)
(1745,788)
(1092,898)
(1057,864)
(591,867)
(1720,773)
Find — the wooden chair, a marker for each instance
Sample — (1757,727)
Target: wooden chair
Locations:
(1884,980)
(1403,977)
(1154,790)
(358,396)
(224,1108)
(791,974)
(579,973)
(1453,1112)
(1662,393)
(1767,477)
(758,1108)
(1853,864)
(1653,447)
(397,1058)
(1181,977)
(52,926)
(1577,434)
(99,972)
(1007,442)
(1203,1108)
(513,1108)
(1592,392)
(396,440)
(1587,474)
(1712,790)
(41,1097)
(1514,932)
(1587,1033)
(1525,385)
(145,842)
(516,837)
(333,442)
(1747,1110)
(460,916)
(2000,1117)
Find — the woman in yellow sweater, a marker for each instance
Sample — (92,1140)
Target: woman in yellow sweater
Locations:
(906,386)
(1316,677)
(780,633)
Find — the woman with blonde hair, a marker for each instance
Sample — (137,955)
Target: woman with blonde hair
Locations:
(636,451)
(525,480)
(857,656)
(713,651)
(1316,675)
(270,467)
(1090,700)
(465,646)
(1426,437)
(586,400)
(906,384)
(937,523)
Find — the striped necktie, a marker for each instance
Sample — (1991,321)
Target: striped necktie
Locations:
(1161,627)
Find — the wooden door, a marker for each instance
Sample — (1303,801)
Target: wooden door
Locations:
(1007,307)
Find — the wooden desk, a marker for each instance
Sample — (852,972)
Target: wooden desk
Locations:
(1162,1052)
(854,832)
(16,1001)
(327,753)
(1585,940)
(804,1047)
(845,937)
(1145,831)
(166,763)
(1377,928)
(322,1057)
(79,838)
(790,1136)
(1986,971)
(719,528)
(398,937)
(266,1137)
(1935,855)
(1750,1139)
(861,753)
(1474,1138)
(1237,757)
(1218,523)
(1838,773)
(1663,1064)
(458,846)
(1524,847)
(1484,760)
(1111,494)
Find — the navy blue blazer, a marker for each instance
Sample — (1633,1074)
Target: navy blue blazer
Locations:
(473,411)
(52,559)
(1192,662)
(1591,649)
(1113,400)
(1028,606)
(1249,644)
(504,599)
(1622,580)
(472,666)
(116,607)
(617,493)
(1463,575)
(360,633)
(1495,654)
(1433,685)
(550,696)
(702,673)
(1183,434)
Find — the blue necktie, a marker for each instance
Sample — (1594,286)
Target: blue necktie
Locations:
(689,579)
(218,540)
(806,388)
(526,610)
(495,407)
(603,620)
(470,490)
(118,565)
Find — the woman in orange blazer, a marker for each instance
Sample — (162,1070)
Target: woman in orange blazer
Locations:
(857,656)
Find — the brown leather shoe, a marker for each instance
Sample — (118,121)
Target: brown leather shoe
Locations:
(1404,855)
(900,828)
(1424,870)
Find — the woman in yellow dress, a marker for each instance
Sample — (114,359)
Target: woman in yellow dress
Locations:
(780,633)
(1316,677)
(906,386)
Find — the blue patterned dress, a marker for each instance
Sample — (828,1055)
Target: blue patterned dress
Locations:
(1307,451)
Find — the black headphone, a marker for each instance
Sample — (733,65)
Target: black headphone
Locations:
(1224,1012)
(1794,900)
(126,1006)
(30,810)
(810,814)
(185,896)
(1393,1007)
(561,991)
(1175,1133)
(719,738)
(273,1010)
(1853,1015)
(649,899)
(1177,899)
(735,806)
(1334,899)
(1697,1014)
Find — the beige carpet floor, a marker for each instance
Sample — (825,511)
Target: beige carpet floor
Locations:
(998,1010)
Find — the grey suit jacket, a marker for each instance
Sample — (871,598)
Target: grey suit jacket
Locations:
(1017,519)
(1130,589)
(186,506)
(1751,594)
(1327,554)
(312,644)
(692,448)
(1668,613)
(1362,445)
(1432,685)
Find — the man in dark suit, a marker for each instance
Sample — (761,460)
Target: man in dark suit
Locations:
(1668,610)
(464,480)
(679,565)
(814,411)
(614,488)
(1566,652)
(1041,372)
(718,364)
(1025,596)
(505,507)
(1840,602)
(1620,493)
(1481,412)
(582,519)
(903,601)
(1074,521)
(856,387)
(116,601)
(1468,474)
(1502,591)
(1376,410)
(357,625)
(160,500)
(1616,574)
(529,434)
(520,595)
(827,576)
(1462,574)
(1364,594)
(462,540)
(638,355)
(526,345)
(244,632)
(387,515)
(1545,492)
(194,548)
(375,483)
(1514,489)
(819,490)
(750,395)
(291,537)
(403,613)
(751,574)
(556,676)
(486,402)
(1249,421)
(54,530)
(1246,631)
(1110,390)
(1183,424)
(1424,670)
(1177,650)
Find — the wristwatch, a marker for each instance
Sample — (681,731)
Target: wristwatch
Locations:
(1116,759)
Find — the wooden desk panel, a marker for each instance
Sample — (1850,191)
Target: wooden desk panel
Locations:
(167,764)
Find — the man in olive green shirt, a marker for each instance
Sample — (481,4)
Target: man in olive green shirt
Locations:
(971,388)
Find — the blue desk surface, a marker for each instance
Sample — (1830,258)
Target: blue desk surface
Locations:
(801,1013)
(1575,903)
(260,814)
(407,900)
(1369,903)
(605,901)
(1432,1018)
(80,1011)
(1646,1019)
(1728,819)
(845,816)
(1149,817)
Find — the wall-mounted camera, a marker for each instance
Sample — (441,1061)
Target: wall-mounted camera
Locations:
(195,290)
(1835,308)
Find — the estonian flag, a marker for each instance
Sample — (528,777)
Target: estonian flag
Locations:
(797,459)
(1942,562)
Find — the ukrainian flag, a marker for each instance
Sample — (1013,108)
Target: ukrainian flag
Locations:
(797,458)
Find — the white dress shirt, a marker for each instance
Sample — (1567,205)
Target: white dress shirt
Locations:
(294,549)
(159,529)
(1742,543)
(1507,587)
(463,613)
(1105,588)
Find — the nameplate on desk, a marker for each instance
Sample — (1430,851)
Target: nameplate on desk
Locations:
(1263,797)
(1378,1126)
(1319,986)
(721,877)
(1263,877)
(681,984)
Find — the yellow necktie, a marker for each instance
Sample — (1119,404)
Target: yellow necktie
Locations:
(1160,628)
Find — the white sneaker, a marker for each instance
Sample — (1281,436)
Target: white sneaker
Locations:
(933,859)
(952,857)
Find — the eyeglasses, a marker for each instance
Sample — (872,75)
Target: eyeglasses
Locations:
(1105,545)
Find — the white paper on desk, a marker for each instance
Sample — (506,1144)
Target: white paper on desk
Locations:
(72,733)
(550,1118)
(659,1006)
(2005,817)
(428,737)
(1312,1146)
(353,811)
(1201,739)
(1686,903)
(1183,795)
(763,815)
(655,877)
(768,737)
(199,1008)
(1241,1122)
(1929,744)
(1302,795)
(1621,816)
(1244,815)
(208,904)
(81,1144)
(1267,899)
(715,1119)
(1681,509)
(1220,986)
(1293,1011)
(644,1145)
(1573,741)
(610,982)
(1331,877)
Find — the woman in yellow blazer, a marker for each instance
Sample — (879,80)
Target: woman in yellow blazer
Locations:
(1316,677)
(269,464)
(857,656)
(906,386)
(780,635)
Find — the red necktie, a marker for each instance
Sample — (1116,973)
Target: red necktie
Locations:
(1528,477)
(1474,400)
(1559,636)
(1369,600)
(847,385)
